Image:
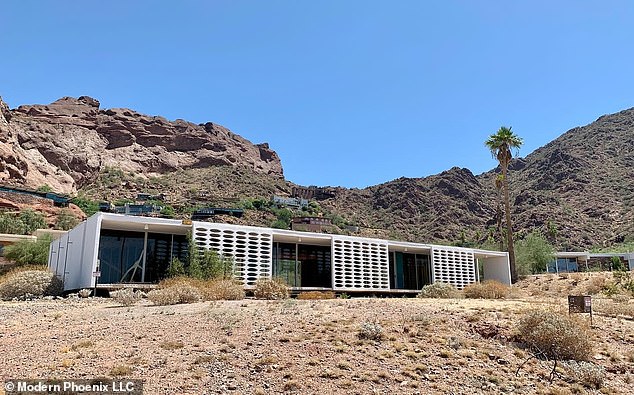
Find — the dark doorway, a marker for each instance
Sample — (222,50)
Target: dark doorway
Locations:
(409,271)
(302,265)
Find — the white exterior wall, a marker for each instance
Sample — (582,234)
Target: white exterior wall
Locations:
(359,264)
(73,257)
(453,265)
(497,268)
(250,247)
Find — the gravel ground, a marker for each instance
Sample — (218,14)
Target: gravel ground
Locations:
(297,346)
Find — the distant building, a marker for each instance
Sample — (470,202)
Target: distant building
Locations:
(588,261)
(290,202)
(311,224)
(123,249)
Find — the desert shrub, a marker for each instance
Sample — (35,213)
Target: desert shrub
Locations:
(316,295)
(214,266)
(176,294)
(223,289)
(596,284)
(66,220)
(126,296)
(26,252)
(32,220)
(616,264)
(586,373)
(84,293)
(439,290)
(11,224)
(271,289)
(489,289)
(175,268)
(25,283)
(554,335)
(370,331)
(625,280)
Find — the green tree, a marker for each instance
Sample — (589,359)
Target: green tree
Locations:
(66,220)
(26,252)
(534,253)
(501,144)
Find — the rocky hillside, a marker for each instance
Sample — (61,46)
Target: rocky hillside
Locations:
(442,207)
(578,189)
(65,144)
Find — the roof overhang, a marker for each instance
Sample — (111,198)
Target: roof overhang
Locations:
(143,224)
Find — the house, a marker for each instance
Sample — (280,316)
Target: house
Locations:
(108,250)
(588,261)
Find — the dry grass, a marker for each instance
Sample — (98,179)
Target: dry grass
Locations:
(179,290)
(120,370)
(316,295)
(586,373)
(615,308)
(489,289)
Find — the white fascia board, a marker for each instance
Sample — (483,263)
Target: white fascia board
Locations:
(296,233)
(140,219)
(487,253)
(408,244)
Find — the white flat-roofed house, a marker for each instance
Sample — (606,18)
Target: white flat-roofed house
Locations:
(109,250)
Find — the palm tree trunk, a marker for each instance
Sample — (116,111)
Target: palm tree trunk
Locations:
(509,226)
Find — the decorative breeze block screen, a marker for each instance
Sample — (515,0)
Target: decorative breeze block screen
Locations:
(453,266)
(251,248)
(360,264)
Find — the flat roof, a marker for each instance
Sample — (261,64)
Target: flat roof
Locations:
(175,226)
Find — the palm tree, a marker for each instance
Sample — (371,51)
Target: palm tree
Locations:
(502,143)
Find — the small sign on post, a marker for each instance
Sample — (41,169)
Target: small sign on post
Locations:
(96,274)
(580,304)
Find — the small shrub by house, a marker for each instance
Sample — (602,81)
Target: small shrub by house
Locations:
(29,283)
(126,296)
(439,290)
(178,293)
(271,289)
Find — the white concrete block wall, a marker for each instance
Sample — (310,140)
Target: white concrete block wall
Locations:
(250,247)
(455,266)
(359,264)
(73,257)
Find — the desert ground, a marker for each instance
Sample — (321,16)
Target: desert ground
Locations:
(428,346)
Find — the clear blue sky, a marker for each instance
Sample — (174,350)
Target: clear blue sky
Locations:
(350,93)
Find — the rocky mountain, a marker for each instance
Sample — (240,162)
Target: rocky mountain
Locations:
(578,189)
(65,144)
